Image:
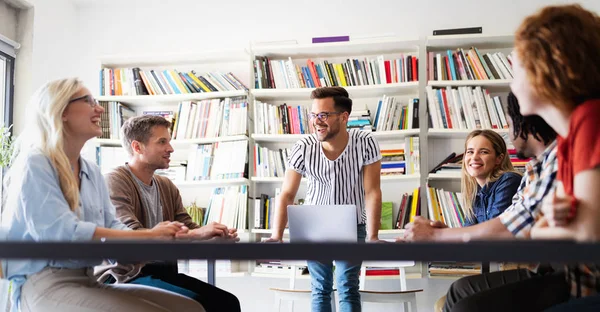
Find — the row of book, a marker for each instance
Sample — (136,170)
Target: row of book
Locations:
(215,161)
(393,115)
(136,81)
(229,206)
(285,74)
(281,119)
(465,108)
(211,118)
(264,210)
(269,162)
(393,162)
(113,117)
(471,65)
(410,207)
(446,207)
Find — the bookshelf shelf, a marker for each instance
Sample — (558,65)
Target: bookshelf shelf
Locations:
(444,176)
(212,183)
(117,142)
(455,133)
(271,179)
(354,91)
(161,60)
(148,100)
(384,178)
(489,84)
(400,177)
(394,134)
(337,49)
(477,40)
(292,138)
(278,138)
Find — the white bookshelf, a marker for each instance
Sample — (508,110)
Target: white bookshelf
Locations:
(148,100)
(384,178)
(278,180)
(212,183)
(456,133)
(278,138)
(292,138)
(393,186)
(336,49)
(444,176)
(489,84)
(468,40)
(353,91)
(117,142)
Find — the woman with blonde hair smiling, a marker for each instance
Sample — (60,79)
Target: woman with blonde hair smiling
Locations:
(56,195)
(489,180)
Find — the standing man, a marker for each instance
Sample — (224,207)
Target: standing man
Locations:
(143,199)
(343,167)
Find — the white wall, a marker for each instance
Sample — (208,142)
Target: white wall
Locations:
(48,36)
(8,21)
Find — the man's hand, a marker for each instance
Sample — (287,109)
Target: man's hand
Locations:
(421,229)
(558,211)
(208,231)
(167,229)
(273,239)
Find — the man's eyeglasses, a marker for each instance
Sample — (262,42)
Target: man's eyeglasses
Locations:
(90,100)
(322,116)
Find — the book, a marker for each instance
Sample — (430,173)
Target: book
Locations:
(330,39)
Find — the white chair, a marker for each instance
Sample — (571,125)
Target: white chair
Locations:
(403,296)
(292,294)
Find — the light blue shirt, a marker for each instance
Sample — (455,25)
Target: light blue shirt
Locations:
(43,214)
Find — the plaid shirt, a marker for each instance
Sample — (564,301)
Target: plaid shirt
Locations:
(537,182)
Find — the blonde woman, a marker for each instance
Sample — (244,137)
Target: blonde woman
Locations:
(489,180)
(56,195)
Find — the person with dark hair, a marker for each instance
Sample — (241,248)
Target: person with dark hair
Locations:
(343,167)
(143,199)
(487,292)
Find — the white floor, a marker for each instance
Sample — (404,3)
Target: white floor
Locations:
(254,294)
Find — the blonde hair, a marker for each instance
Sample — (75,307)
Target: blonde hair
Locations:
(44,132)
(468,183)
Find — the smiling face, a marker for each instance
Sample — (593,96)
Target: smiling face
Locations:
(81,117)
(480,158)
(156,153)
(331,122)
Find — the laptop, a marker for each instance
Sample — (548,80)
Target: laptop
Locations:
(322,223)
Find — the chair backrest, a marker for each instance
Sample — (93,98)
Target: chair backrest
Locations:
(401,265)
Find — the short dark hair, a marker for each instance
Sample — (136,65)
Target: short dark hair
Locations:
(139,129)
(525,125)
(340,97)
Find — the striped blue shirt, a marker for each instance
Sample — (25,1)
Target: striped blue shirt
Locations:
(339,181)
(43,214)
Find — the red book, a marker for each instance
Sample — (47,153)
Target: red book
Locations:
(388,72)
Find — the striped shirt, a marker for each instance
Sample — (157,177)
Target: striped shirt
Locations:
(339,181)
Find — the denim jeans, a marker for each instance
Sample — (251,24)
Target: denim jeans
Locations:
(346,276)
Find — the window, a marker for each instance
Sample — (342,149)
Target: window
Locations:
(7,70)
